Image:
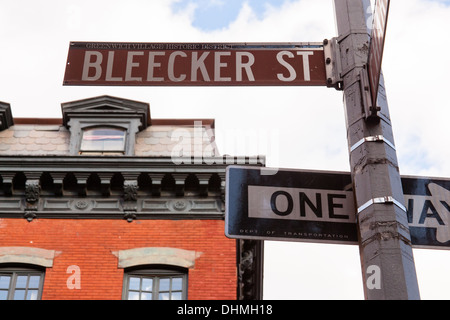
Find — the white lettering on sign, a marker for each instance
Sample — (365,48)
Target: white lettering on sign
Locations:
(241,66)
(152,64)
(199,63)
(431,211)
(225,63)
(292,73)
(171,67)
(89,64)
(300,204)
(218,65)
(132,64)
(109,68)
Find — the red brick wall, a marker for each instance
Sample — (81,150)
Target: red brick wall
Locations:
(89,244)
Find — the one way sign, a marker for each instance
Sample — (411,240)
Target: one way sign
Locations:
(314,206)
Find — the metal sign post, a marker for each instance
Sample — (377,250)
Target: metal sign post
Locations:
(384,238)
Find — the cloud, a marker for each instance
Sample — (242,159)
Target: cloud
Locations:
(209,15)
(414,65)
(300,21)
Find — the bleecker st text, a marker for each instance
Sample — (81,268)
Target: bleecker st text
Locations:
(227,66)
(195,64)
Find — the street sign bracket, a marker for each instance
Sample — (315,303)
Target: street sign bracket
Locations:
(382,200)
(333,65)
(378,138)
(371,112)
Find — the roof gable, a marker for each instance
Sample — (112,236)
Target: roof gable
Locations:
(6,119)
(106,107)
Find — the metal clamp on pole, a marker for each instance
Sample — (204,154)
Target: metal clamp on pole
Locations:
(333,66)
(386,199)
(370,110)
(378,138)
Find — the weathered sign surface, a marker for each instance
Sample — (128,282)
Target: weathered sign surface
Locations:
(195,64)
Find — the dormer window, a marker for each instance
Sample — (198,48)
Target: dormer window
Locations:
(103,140)
(105,125)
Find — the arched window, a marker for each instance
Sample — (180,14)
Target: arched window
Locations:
(155,282)
(103,140)
(21,282)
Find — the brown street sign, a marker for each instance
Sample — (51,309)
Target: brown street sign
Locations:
(318,206)
(380,18)
(195,64)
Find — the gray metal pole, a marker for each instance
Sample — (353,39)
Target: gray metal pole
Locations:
(385,245)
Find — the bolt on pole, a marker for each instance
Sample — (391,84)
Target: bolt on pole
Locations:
(387,260)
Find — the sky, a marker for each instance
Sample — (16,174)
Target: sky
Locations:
(294,127)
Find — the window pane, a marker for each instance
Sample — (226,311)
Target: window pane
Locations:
(134,283)
(133,295)
(20,285)
(177,284)
(103,139)
(21,282)
(32,295)
(4,282)
(113,144)
(147,284)
(164,296)
(146,296)
(34,282)
(19,295)
(164,284)
(176,295)
(3,294)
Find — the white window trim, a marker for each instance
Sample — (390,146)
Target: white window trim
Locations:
(28,255)
(162,256)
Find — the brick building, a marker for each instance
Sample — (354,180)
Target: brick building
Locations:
(107,203)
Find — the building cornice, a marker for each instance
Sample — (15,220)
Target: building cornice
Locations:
(123,163)
(115,187)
